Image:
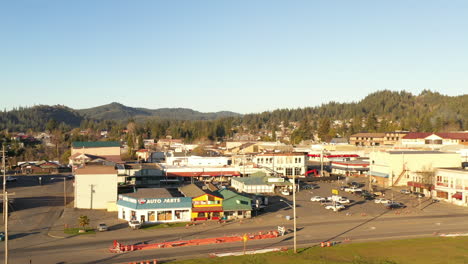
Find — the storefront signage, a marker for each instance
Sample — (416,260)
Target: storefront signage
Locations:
(127,199)
(158,201)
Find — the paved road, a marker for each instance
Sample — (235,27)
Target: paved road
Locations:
(87,249)
(37,207)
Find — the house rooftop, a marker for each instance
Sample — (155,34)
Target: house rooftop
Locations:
(95,144)
(96,169)
(408,152)
(154,193)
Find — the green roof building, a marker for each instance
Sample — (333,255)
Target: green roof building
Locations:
(235,205)
(259,182)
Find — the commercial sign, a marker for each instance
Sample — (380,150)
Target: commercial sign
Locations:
(159,200)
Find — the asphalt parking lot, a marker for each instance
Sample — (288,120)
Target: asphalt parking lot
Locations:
(358,205)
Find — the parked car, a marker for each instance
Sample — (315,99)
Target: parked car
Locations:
(404,191)
(334,197)
(134,224)
(2,236)
(368,196)
(342,188)
(285,192)
(344,200)
(317,199)
(394,205)
(355,184)
(309,186)
(335,208)
(378,193)
(102,227)
(352,190)
(382,201)
(417,194)
(11,179)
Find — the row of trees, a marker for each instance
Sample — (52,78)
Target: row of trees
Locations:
(379,112)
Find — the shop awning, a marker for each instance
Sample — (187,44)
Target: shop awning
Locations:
(458,196)
(379,174)
(208,209)
(419,185)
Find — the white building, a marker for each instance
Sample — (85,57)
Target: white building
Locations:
(197,161)
(156,205)
(287,164)
(409,168)
(451,185)
(96,187)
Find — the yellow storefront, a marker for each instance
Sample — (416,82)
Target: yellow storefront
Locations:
(207,207)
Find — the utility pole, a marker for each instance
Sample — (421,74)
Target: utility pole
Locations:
(64,192)
(4,179)
(294,210)
(5,208)
(321,162)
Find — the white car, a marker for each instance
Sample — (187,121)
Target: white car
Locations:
(134,224)
(285,192)
(10,179)
(317,199)
(382,201)
(343,200)
(353,189)
(334,197)
(335,208)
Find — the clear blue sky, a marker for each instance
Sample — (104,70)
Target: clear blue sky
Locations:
(243,56)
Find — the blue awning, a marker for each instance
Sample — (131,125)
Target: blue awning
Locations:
(379,174)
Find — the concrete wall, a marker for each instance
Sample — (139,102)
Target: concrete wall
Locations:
(95,191)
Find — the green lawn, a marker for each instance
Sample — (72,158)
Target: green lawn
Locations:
(76,231)
(435,250)
(155,226)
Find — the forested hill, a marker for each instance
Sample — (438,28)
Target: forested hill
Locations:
(36,118)
(380,111)
(118,112)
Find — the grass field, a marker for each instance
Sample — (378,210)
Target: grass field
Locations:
(76,231)
(435,250)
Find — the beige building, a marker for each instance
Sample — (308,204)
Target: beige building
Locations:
(409,168)
(451,185)
(96,187)
(83,152)
(367,139)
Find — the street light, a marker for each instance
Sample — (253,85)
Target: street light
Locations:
(294,215)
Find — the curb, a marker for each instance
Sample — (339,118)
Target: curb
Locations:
(48,233)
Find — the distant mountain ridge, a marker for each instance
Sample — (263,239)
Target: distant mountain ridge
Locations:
(36,117)
(379,111)
(117,111)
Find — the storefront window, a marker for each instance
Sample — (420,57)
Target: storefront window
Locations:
(151,216)
(182,214)
(164,215)
(201,214)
